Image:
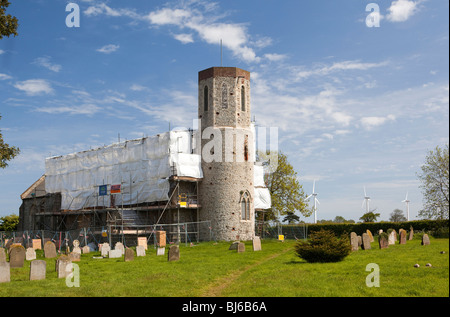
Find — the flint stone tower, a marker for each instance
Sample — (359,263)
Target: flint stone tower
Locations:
(227,189)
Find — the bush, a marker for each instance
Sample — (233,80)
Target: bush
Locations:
(323,246)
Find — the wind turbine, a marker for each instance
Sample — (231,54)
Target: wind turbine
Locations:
(366,200)
(315,201)
(406,201)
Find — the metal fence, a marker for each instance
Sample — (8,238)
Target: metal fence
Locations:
(273,230)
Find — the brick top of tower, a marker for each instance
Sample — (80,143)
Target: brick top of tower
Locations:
(223,72)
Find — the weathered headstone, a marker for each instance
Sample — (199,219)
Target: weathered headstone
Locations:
(86,249)
(37,270)
(161,238)
(76,250)
(37,244)
(425,239)
(256,244)
(234,245)
(383,240)
(402,237)
(16,256)
(365,241)
(49,250)
(2,255)
(140,250)
(105,249)
(174,253)
(63,266)
(30,254)
(142,241)
(76,243)
(129,255)
(411,233)
(354,241)
(369,233)
(241,247)
(119,246)
(359,241)
(74,256)
(5,272)
(160,251)
(113,254)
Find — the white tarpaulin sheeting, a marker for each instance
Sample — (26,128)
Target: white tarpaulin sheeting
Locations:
(262,195)
(141,166)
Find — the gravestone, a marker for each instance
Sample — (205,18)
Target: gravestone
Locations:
(86,249)
(392,238)
(129,255)
(37,270)
(140,250)
(49,250)
(359,241)
(354,241)
(76,250)
(425,239)
(5,272)
(17,256)
(383,241)
(142,241)
(256,244)
(105,249)
(365,241)
(37,244)
(63,266)
(76,243)
(402,237)
(114,254)
(161,238)
(119,246)
(174,253)
(30,254)
(160,251)
(2,255)
(369,233)
(234,245)
(241,247)
(411,233)
(74,256)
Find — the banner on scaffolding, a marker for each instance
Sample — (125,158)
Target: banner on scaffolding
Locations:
(103,190)
(115,189)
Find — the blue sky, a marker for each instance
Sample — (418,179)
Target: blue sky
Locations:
(354,105)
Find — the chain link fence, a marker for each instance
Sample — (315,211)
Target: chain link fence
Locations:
(274,230)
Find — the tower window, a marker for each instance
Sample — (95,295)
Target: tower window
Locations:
(205,98)
(224,96)
(243,98)
(245,206)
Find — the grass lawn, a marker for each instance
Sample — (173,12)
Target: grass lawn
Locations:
(210,269)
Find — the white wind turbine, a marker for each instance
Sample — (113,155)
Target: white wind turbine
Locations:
(406,201)
(315,201)
(366,200)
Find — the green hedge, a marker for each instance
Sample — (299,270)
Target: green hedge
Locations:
(437,228)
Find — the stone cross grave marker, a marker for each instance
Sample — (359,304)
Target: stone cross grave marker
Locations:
(49,250)
(354,241)
(17,256)
(5,272)
(38,269)
(30,254)
(256,244)
(365,241)
(174,253)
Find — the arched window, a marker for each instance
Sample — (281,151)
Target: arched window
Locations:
(245,206)
(243,98)
(205,98)
(224,96)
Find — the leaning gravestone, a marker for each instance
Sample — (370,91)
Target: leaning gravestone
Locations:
(354,241)
(370,235)
(63,266)
(241,247)
(37,270)
(256,244)
(425,239)
(234,245)
(365,242)
(17,256)
(174,253)
(49,250)
(383,240)
(411,233)
(2,255)
(402,237)
(129,255)
(30,254)
(5,272)
(140,250)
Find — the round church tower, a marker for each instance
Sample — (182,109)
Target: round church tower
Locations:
(226,191)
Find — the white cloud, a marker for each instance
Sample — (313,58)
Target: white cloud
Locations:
(34,87)
(371,122)
(338,66)
(1,52)
(4,76)
(275,57)
(401,10)
(107,49)
(45,62)
(136,87)
(85,109)
(168,16)
(184,38)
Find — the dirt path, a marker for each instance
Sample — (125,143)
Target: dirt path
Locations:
(217,287)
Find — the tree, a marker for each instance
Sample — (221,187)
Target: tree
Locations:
(285,190)
(291,217)
(397,216)
(7,152)
(8,23)
(9,223)
(435,184)
(369,216)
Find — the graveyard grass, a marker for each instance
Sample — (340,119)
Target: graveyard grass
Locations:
(210,269)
